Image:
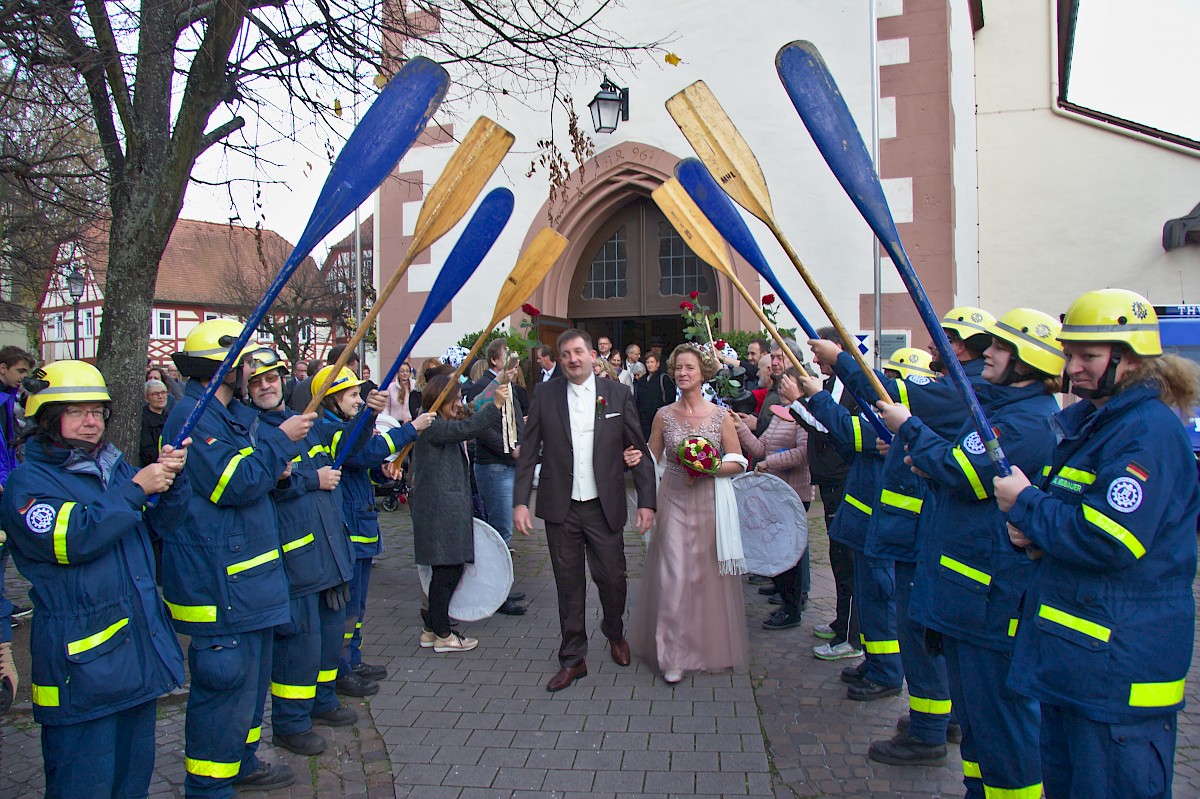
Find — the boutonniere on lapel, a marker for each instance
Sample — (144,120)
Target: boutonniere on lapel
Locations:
(601,407)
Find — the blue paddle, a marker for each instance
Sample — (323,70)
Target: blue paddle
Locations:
(469,251)
(821,106)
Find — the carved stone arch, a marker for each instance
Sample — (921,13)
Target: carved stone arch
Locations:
(604,185)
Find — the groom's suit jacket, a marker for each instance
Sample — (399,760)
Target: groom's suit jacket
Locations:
(548,430)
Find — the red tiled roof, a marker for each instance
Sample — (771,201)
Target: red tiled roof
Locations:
(199,258)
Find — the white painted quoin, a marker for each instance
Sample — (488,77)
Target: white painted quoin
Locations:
(925,61)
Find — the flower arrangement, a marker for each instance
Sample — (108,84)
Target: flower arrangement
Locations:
(601,406)
(770,309)
(698,323)
(698,456)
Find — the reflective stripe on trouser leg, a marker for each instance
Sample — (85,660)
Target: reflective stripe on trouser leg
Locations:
(296,659)
(874,596)
(929,694)
(1004,725)
(224,707)
(356,610)
(332,624)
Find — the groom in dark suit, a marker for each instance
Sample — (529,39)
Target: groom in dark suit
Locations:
(582,427)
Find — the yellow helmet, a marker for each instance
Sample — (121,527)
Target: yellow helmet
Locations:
(910,361)
(968,321)
(207,345)
(345,379)
(1112,315)
(1035,336)
(62,382)
(265,359)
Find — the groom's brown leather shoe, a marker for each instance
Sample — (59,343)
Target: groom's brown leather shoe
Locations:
(566,676)
(620,652)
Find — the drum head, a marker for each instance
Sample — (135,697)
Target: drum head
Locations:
(486,583)
(774,523)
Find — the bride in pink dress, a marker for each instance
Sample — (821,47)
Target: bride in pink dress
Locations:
(688,616)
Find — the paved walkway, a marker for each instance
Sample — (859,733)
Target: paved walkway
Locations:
(481,724)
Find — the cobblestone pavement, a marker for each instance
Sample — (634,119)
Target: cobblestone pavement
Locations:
(481,724)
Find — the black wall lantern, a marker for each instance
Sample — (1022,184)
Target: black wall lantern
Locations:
(609,107)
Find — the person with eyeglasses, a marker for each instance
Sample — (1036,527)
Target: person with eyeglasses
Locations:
(102,649)
(154,416)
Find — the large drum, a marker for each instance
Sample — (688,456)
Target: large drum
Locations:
(486,583)
(774,523)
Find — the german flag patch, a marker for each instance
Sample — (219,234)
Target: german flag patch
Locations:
(210,441)
(1134,468)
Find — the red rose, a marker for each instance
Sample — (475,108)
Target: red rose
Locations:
(687,306)
(531,311)
(768,299)
(720,344)
(694,294)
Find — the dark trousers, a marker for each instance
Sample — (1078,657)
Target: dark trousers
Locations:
(333,624)
(875,598)
(230,677)
(356,610)
(585,534)
(1085,759)
(793,585)
(928,691)
(441,587)
(112,756)
(999,727)
(296,659)
(841,562)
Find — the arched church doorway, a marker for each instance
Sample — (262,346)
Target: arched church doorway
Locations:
(631,277)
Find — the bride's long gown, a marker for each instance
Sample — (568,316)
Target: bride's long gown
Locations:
(688,617)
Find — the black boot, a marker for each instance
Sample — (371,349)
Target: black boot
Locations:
(782,619)
(867,689)
(953,729)
(904,750)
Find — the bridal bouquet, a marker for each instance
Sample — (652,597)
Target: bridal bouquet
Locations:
(699,456)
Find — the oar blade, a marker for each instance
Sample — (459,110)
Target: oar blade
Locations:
(466,173)
(531,269)
(721,147)
(699,233)
(386,132)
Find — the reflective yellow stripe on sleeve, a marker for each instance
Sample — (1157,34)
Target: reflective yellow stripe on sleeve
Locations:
(1073,622)
(316,450)
(902,501)
(391,444)
(266,557)
(211,768)
(971,769)
(60,532)
(93,641)
(192,613)
(299,542)
(363,539)
(902,390)
(880,647)
(858,503)
(1078,475)
(1028,792)
(254,734)
(337,439)
(1118,532)
(857,426)
(327,675)
(966,571)
(932,707)
(44,695)
(1156,694)
(283,691)
(964,463)
(227,475)
(1012,627)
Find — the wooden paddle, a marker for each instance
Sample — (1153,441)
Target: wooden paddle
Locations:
(447,202)
(526,276)
(706,243)
(729,158)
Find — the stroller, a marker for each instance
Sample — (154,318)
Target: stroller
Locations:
(390,491)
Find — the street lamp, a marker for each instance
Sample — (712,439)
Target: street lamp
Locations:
(608,106)
(76,283)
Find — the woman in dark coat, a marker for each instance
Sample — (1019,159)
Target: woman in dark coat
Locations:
(652,390)
(443,530)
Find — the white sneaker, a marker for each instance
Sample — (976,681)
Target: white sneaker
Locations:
(428,637)
(823,631)
(454,643)
(672,677)
(839,652)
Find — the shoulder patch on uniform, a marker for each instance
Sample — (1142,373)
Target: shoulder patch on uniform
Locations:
(918,380)
(974,444)
(210,441)
(1125,494)
(1137,470)
(28,505)
(40,518)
